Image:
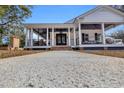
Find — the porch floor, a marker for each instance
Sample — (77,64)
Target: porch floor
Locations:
(65,47)
(97,45)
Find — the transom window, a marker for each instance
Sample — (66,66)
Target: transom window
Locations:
(90,26)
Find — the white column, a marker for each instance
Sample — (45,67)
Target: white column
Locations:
(79,28)
(26,36)
(47,41)
(69,37)
(31,36)
(103,33)
(52,36)
(74,37)
(38,37)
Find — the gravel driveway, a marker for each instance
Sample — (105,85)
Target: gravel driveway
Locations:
(62,69)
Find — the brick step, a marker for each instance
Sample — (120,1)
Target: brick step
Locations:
(61,48)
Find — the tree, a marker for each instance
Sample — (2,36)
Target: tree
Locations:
(1,33)
(12,18)
(119,7)
(118,35)
(14,13)
(3,10)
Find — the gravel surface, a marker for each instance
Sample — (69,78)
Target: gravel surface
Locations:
(62,69)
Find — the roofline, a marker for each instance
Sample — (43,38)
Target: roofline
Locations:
(45,23)
(116,10)
(83,13)
(92,10)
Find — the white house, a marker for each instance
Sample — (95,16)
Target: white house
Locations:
(86,30)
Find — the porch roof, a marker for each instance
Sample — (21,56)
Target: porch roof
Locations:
(48,25)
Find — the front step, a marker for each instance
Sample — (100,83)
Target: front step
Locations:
(61,48)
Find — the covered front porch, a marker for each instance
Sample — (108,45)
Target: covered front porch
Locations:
(69,35)
(49,35)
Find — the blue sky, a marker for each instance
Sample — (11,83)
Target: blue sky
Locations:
(56,13)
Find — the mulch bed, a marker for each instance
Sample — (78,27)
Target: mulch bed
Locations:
(6,53)
(113,53)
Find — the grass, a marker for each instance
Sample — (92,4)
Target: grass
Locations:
(113,53)
(6,53)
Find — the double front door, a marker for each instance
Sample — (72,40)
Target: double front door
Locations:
(61,39)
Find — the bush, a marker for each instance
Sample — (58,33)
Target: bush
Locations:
(0,41)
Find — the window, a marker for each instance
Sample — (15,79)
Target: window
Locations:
(97,37)
(85,37)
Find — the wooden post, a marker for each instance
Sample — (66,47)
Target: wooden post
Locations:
(31,36)
(47,42)
(26,37)
(103,33)
(52,36)
(74,37)
(69,37)
(79,29)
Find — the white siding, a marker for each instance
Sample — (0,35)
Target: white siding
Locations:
(103,15)
(91,33)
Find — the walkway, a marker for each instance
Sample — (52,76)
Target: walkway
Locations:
(62,69)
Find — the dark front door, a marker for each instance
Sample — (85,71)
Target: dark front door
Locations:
(60,39)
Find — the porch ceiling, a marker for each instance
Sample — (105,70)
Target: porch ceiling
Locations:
(109,26)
